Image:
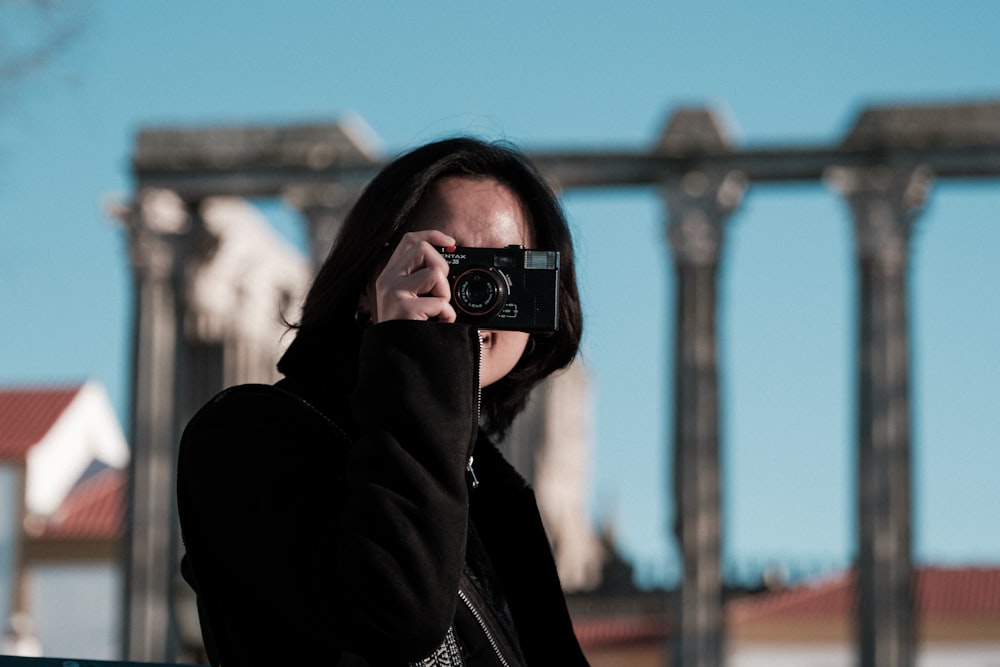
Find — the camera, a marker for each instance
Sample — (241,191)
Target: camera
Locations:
(508,288)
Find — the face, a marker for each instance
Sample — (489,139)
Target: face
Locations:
(481,213)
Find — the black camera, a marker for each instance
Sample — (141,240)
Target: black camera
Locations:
(505,288)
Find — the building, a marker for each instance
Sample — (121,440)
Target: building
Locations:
(62,473)
(957,613)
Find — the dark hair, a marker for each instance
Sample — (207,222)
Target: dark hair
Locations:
(327,333)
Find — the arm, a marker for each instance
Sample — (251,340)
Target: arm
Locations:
(405,510)
(303,544)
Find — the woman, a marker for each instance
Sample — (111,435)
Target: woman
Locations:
(357,511)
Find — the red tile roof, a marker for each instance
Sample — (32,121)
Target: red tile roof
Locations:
(620,630)
(93,510)
(940,592)
(27,414)
(826,597)
(960,591)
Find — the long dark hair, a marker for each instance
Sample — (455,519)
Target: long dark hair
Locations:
(328,336)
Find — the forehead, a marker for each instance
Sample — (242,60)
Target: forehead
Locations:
(477,212)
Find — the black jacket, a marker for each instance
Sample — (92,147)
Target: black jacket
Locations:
(318,524)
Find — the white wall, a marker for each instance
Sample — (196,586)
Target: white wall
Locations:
(77,610)
(838,655)
(8,522)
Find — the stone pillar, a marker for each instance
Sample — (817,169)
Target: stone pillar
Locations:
(884,203)
(13,501)
(549,444)
(157,227)
(698,203)
(211,284)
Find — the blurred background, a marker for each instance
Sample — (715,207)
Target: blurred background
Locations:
(79,80)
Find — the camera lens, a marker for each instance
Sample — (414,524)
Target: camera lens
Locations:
(479,292)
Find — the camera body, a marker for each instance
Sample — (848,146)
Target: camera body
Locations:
(510,288)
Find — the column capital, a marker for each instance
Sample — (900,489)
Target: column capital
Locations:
(155,218)
(304,196)
(884,203)
(698,205)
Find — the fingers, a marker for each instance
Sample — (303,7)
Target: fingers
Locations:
(414,283)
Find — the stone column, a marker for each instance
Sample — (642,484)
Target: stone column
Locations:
(699,204)
(884,203)
(157,226)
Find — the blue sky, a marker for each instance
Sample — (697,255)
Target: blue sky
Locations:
(581,75)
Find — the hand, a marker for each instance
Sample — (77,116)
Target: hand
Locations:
(414,283)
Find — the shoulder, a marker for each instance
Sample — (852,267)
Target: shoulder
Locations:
(255,442)
(245,400)
(257,422)
(258,405)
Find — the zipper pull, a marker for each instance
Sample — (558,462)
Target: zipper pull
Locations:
(472,474)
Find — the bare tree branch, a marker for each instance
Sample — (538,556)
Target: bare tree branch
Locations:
(34,34)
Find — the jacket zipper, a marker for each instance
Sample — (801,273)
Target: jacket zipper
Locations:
(472,474)
(482,624)
(479,409)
